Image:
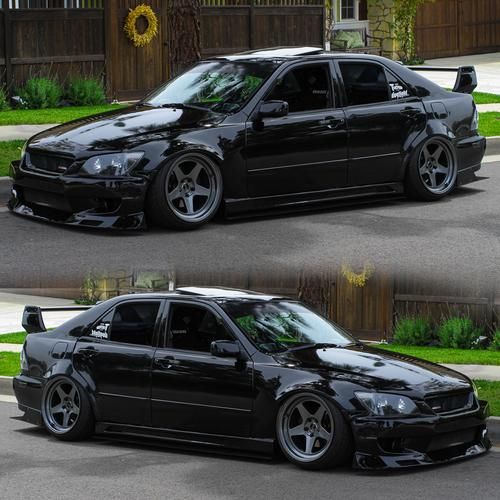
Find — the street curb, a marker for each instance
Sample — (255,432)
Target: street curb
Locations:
(5,179)
(6,386)
(493,146)
(493,422)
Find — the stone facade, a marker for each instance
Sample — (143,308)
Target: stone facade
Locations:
(381,16)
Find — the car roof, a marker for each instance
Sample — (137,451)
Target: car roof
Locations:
(282,54)
(207,293)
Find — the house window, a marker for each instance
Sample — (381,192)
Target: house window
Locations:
(348,9)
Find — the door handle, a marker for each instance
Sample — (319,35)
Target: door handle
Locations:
(332,123)
(166,363)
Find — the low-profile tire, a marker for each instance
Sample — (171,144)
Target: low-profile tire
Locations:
(432,172)
(66,410)
(186,193)
(312,433)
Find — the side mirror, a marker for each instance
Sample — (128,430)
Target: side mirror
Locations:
(273,109)
(225,349)
(32,320)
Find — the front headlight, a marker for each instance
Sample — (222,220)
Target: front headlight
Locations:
(117,164)
(23,151)
(474,387)
(382,404)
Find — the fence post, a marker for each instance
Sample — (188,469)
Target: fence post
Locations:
(7,44)
(251,24)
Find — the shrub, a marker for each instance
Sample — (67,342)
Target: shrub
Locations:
(4,103)
(495,341)
(86,92)
(413,331)
(459,333)
(40,93)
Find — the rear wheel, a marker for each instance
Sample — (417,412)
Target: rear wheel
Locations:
(312,432)
(432,173)
(186,193)
(66,410)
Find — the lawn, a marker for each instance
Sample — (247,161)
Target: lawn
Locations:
(490,391)
(51,115)
(443,355)
(9,150)
(485,98)
(10,364)
(13,338)
(489,123)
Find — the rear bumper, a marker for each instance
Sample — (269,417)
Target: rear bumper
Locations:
(398,443)
(78,201)
(470,153)
(28,392)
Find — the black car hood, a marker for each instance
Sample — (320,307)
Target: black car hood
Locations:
(121,129)
(378,369)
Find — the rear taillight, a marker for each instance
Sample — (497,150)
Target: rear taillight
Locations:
(24,362)
(475,120)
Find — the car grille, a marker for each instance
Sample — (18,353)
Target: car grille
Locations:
(451,403)
(47,163)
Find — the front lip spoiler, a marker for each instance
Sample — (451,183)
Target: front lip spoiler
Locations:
(87,219)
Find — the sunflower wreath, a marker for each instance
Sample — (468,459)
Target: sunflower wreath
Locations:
(358,279)
(130,28)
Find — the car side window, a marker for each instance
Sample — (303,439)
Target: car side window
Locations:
(194,328)
(131,323)
(305,88)
(397,89)
(364,83)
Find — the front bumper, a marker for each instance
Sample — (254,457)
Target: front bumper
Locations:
(412,442)
(78,201)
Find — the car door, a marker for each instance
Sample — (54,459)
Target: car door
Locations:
(382,119)
(306,150)
(115,357)
(192,390)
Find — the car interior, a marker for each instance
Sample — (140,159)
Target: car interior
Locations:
(364,83)
(304,89)
(194,328)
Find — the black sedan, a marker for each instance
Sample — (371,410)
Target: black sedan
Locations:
(241,371)
(269,129)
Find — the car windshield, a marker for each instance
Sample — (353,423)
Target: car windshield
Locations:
(221,86)
(278,326)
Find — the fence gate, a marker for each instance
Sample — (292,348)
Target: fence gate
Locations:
(450,28)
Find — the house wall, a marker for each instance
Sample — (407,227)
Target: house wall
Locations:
(381,16)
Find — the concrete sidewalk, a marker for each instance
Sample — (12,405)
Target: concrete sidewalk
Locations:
(12,306)
(21,132)
(478,372)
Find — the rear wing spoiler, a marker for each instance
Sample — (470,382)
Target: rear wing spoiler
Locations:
(466,80)
(33,319)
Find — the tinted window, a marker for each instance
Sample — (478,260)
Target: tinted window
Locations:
(132,323)
(304,89)
(277,326)
(364,83)
(398,90)
(194,328)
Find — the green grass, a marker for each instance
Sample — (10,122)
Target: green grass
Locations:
(13,338)
(490,391)
(10,364)
(9,150)
(444,355)
(485,98)
(489,123)
(51,115)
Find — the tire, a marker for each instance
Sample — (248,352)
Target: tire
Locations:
(307,421)
(186,193)
(66,423)
(432,172)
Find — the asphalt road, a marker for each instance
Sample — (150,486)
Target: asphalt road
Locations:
(459,235)
(34,465)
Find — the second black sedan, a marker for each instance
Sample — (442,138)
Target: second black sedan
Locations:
(277,128)
(241,371)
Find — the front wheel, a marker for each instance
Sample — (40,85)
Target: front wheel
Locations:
(312,433)
(432,173)
(66,410)
(186,193)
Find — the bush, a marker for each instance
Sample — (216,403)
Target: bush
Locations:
(4,103)
(413,331)
(459,333)
(495,342)
(86,92)
(40,93)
